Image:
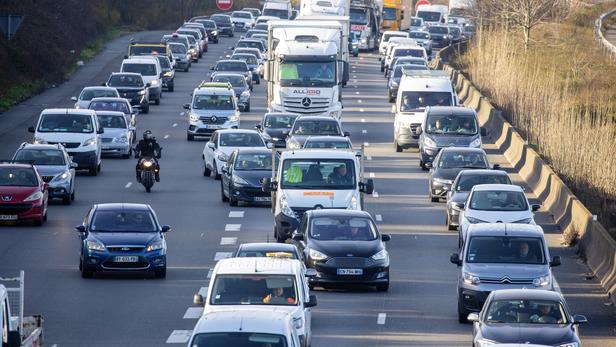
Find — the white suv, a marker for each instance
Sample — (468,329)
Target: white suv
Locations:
(151,72)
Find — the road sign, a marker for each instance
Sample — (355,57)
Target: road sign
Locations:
(9,24)
(421,2)
(224,5)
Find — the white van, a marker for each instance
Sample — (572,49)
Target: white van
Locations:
(78,130)
(419,89)
(278,8)
(267,283)
(151,72)
(310,179)
(433,14)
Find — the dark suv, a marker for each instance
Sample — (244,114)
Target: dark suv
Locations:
(224,24)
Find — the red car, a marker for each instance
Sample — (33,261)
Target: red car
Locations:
(23,194)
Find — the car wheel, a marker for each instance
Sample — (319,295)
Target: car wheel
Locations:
(462,318)
(216,174)
(422,165)
(382,68)
(66,200)
(162,273)
(93,171)
(170,88)
(223,197)
(147,108)
(279,238)
(206,171)
(84,272)
(391,98)
(99,167)
(383,287)
(73,195)
(186,69)
(232,202)
(258,81)
(190,137)
(432,197)
(397,147)
(231,35)
(247,109)
(157,101)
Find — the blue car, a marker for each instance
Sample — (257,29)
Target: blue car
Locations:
(122,237)
(354,43)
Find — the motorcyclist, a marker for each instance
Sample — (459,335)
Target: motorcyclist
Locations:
(148,147)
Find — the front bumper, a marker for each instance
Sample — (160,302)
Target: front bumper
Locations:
(110,148)
(428,154)
(155,92)
(105,261)
(13,212)
(285,225)
(200,129)
(373,272)
(84,160)
(250,194)
(168,81)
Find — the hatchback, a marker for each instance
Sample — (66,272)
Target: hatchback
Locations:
(23,194)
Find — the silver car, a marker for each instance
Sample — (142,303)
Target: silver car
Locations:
(119,133)
(89,93)
(501,256)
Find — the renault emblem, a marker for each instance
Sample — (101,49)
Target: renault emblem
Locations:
(213,119)
(306,102)
(7,197)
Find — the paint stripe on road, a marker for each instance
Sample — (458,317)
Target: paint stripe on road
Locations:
(364,131)
(174,125)
(380,319)
(361,110)
(369,157)
(166,136)
(228,241)
(222,255)
(193,313)
(179,336)
(357,93)
(128,185)
(236,214)
(372,175)
(233,227)
(379,218)
(363,120)
(359,101)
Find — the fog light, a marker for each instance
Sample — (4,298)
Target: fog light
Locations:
(467,297)
(381,275)
(158,261)
(92,260)
(237,193)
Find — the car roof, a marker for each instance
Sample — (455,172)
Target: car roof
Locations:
(126,74)
(274,246)
(109,98)
(505,229)
(237,131)
(317,154)
(247,319)
(481,172)
(451,110)
(42,146)
(260,265)
(109,113)
(328,138)
(526,294)
(248,39)
(68,111)
(99,87)
(395,32)
(490,187)
(140,59)
(338,212)
(463,150)
(228,74)
(230,61)
(122,206)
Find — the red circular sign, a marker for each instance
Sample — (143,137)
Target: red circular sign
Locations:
(224,5)
(421,2)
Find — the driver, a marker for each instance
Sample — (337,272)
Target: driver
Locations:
(324,72)
(341,176)
(545,315)
(148,147)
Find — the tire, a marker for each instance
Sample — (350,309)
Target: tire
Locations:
(147,108)
(279,239)
(84,272)
(397,147)
(462,318)
(231,35)
(186,69)
(382,68)
(259,81)
(391,98)
(190,137)
(422,165)
(126,156)
(39,222)
(247,109)
(73,195)
(161,273)
(216,174)
(382,287)
(93,171)
(147,180)
(157,101)
(66,200)
(223,197)
(233,202)
(170,88)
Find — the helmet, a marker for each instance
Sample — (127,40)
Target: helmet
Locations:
(147,135)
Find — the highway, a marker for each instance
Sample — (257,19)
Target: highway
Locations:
(135,310)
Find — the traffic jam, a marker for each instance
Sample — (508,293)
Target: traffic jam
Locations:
(299,161)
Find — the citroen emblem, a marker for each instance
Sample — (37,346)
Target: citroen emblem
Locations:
(506,280)
(7,197)
(213,119)
(306,102)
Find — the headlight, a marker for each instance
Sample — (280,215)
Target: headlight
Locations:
(445,36)
(316,255)
(245,94)
(154,246)
(570,344)
(191,51)
(168,74)
(222,157)
(293,144)
(429,142)
(285,208)
(353,205)
(485,342)
(381,255)
(34,196)
(442,180)
(542,281)
(474,220)
(89,142)
(456,206)
(154,83)
(476,143)
(470,279)
(148,163)
(95,246)
(62,177)
(141,92)
(237,180)
(234,118)
(39,141)
(524,221)
(298,322)
(193,117)
(214,32)
(355,45)
(121,139)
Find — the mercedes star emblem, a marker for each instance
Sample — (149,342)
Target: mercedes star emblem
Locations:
(306,102)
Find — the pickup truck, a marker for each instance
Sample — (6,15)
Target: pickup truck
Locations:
(17,330)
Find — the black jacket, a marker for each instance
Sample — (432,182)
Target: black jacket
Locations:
(148,148)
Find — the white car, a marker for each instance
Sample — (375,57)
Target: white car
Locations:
(89,93)
(151,72)
(496,203)
(223,143)
(242,20)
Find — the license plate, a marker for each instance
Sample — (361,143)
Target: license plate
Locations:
(263,198)
(126,259)
(8,217)
(354,272)
(211,126)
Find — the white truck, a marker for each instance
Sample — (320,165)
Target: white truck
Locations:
(278,8)
(303,70)
(16,329)
(324,8)
(433,14)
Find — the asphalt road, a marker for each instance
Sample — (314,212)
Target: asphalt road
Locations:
(135,310)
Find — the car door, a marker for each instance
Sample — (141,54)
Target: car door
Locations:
(307,310)
(210,151)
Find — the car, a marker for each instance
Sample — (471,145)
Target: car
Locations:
(397,71)
(468,32)
(168,71)
(77,130)
(194,45)
(240,87)
(210,28)
(331,142)
(440,35)
(255,11)
(120,237)
(224,24)
(255,51)
(242,174)
(326,237)
(501,256)
(131,86)
(393,43)
(217,150)
(354,39)
(233,66)
(114,104)
(252,43)
(23,194)
(262,25)
(263,37)
(119,135)
(385,39)
(253,63)
(448,163)
(268,249)
(307,126)
(423,39)
(251,32)
(456,33)
(417,23)
(182,39)
(89,93)
(242,20)
(54,165)
(461,187)
(197,31)
(519,316)
(275,127)
(180,56)
(492,203)
(151,73)
(404,50)
(213,106)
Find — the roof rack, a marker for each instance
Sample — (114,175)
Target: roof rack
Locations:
(207,84)
(425,73)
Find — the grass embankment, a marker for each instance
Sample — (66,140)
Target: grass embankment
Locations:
(560,95)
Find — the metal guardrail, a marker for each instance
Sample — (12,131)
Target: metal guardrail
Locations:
(602,42)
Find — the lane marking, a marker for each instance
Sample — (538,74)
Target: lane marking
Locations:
(379,218)
(222,255)
(355,86)
(209,273)
(369,157)
(381,318)
(202,235)
(361,110)
(175,124)
(179,336)
(357,93)
(372,175)
(359,101)
(203,291)
(354,76)
(236,214)
(363,120)
(193,313)
(375,194)
(364,131)
(228,241)
(233,227)
(166,136)
(182,113)
(128,185)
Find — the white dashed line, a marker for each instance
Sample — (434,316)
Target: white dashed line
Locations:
(209,273)
(372,175)
(174,125)
(354,76)
(361,110)
(359,101)
(222,255)
(381,318)
(182,113)
(220,57)
(379,218)
(364,131)
(369,157)
(166,136)
(363,120)
(203,291)
(179,336)
(357,93)
(236,214)
(228,241)
(355,87)
(233,227)
(366,144)
(128,185)
(193,313)
(375,194)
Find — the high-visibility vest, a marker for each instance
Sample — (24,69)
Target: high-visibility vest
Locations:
(293,174)
(288,72)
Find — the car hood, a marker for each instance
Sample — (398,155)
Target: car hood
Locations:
(277,132)
(495,270)
(66,137)
(50,170)
(498,216)
(17,194)
(253,177)
(362,249)
(452,141)
(114,132)
(313,197)
(210,113)
(239,90)
(459,197)
(125,239)
(541,334)
(447,174)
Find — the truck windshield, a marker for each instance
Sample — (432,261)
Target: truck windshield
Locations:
(389,13)
(331,174)
(359,16)
(224,339)
(419,100)
(307,73)
(254,289)
(429,16)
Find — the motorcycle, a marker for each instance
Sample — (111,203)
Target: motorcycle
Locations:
(148,168)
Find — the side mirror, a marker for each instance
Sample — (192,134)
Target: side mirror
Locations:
(31,129)
(298,237)
(258,126)
(104,84)
(165,229)
(428,165)
(310,272)
(100,131)
(579,319)
(312,301)
(13,339)
(74,165)
(198,300)
(455,259)
(81,228)
(212,68)
(346,134)
(148,85)
(231,47)
(483,131)
(74,98)
(418,130)
(269,145)
(224,169)
(266,185)
(496,167)
(473,317)
(186,106)
(211,145)
(227,56)
(535,207)
(555,261)
(385,237)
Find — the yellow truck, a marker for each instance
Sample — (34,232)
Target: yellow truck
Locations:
(392,15)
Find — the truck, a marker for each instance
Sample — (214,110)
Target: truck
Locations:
(17,330)
(392,15)
(278,8)
(433,14)
(365,18)
(324,8)
(303,70)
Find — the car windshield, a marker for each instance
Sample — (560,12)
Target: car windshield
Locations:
(143,69)
(252,51)
(119,106)
(468,181)
(463,159)
(236,81)
(253,161)
(307,73)
(41,156)
(147,50)
(208,24)
(126,81)
(451,124)
(137,221)
(179,48)
(164,62)
(279,121)
(455,31)
(251,44)
(389,13)
(498,200)
(386,37)
(248,58)
(89,94)
(419,35)
(327,144)
(316,127)
(213,102)
(112,121)
(413,101)
(254,289)
(505,249)
(240,140)
(429,16)
(409,52)
(469,29)
(231,66)
(342,228)
(526,312)
(261,26)
(416,22)
(318,174)
(66,123)
(235,339)
(282,14)
(241,15)
(359,16)
(20,177)
(438,30)
(221,19)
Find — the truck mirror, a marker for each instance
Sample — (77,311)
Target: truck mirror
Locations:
(345,72)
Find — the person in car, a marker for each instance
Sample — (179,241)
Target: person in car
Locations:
(545,315)
(324,72)
(524,253)
(277,297)
(340,176)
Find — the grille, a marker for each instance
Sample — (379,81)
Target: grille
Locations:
(66,144)
(107,139)
(120,249)
(14,208)
(47,179)
(208,120)
(317,106)
(506,280)
(137,265)
(239,24)
(349,262)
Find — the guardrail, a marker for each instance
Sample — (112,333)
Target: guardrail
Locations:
(602,42)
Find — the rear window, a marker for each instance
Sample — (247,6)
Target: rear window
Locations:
(468,181)
(21,177)
(125,81)
(41,156)
(240,140)
(412,52)
(231,66)
(221,19)
(89,94)
(117,106)
(66,123)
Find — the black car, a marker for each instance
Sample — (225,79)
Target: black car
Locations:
(210,27)
(307,126)
(168,72)
(344,247)
(441,36)
(252,43)
(461,187)
(233,66)
(523,316)
(131,86)
(122,237)
(275,127)
(268,249)
(224,24)
(448,163)
(242,175)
